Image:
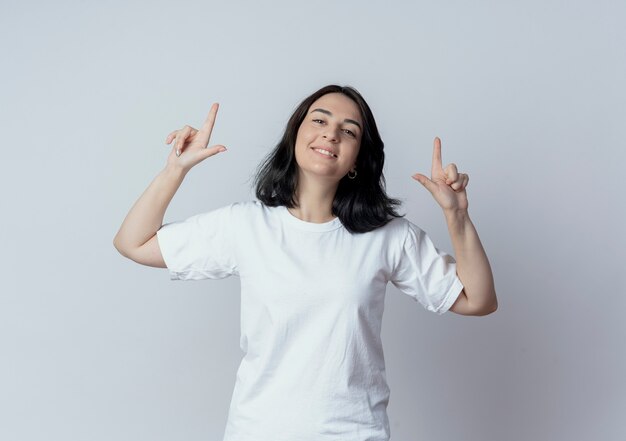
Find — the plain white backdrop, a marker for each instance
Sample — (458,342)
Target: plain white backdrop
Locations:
(528,98)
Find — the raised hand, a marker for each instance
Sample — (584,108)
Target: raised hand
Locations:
(446,185)
(191,145)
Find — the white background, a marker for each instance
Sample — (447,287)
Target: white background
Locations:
(528,98)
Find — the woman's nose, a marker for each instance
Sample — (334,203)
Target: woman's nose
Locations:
(330,134)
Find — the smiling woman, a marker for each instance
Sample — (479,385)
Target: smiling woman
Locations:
(349,184)
(315,254)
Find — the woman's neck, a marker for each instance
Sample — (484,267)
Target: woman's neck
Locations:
(315,201)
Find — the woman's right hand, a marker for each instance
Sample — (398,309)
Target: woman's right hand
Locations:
(191,145)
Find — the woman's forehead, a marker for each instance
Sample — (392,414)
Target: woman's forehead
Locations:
(338,105)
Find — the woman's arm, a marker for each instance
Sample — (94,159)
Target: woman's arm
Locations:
(146,216)
(448,187)
(473,267)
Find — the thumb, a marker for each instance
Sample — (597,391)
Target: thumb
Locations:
(430,185)
(210,151)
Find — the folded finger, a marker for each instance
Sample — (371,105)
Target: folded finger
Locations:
(170,137)
(182,135)
(462,182)
(452,173)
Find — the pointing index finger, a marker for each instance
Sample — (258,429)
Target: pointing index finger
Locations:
(437,156)
(207,127)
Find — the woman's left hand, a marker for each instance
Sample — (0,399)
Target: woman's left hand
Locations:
(446,185)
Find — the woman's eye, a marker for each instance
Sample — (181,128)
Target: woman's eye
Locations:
(349,132)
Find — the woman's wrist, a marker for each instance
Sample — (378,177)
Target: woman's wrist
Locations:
(174,171)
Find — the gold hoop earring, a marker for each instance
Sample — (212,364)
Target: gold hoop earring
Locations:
(353,176)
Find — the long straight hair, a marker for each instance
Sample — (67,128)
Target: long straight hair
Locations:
(360,203)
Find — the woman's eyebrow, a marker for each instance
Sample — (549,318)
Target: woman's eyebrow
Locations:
(330,114)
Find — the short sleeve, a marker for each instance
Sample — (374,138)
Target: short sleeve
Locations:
(200,247)
(425,273)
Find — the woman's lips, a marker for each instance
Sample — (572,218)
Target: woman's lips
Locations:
(323,154)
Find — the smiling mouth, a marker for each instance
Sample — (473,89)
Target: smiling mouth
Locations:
(324,152)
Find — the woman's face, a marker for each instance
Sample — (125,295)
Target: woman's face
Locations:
(333,123)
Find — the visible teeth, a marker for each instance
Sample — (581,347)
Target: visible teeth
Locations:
(326,152)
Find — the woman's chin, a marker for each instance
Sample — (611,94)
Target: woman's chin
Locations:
(322,173)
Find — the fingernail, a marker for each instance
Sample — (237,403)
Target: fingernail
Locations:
(222,149)
(177,152)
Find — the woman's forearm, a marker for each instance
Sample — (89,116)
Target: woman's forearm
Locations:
(146,216)
(473,266)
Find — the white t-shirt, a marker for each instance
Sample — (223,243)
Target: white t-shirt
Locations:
(312,300)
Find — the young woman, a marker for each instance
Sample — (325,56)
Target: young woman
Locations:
(314,254)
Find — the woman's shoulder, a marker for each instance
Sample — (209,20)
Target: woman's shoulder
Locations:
(402,223)
(402,229)
(395,227)
(249,207)
(248,204)
(232,210)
